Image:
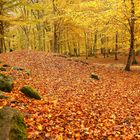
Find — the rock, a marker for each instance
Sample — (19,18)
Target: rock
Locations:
(6,83)
(17,68)
(6,65)
(2,69)
(12,126)
(94,76)
(30,92)
(2,96)
(14,102)
(28,72)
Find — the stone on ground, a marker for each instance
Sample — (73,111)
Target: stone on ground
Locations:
(30,92)
(6,83)
(6,65)
(2,69)
(12,125)
(28,72)
(2,96)
(17,68)
(94,76)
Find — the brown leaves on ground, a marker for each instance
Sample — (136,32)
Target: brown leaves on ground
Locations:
(74,106)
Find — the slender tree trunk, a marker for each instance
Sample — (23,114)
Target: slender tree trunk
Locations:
(39,31)
(9,44)
(86,45)
(55,39)
(95,45)
(78,49)
(107,49)
(39,37)
(68,44)
(27,38)
(104,52)
(34,39)
(51,46)
(44,40)
(1,31)
(1,37)
(116,47)
(4,47)
(132,36)
(54,29)
(13,42)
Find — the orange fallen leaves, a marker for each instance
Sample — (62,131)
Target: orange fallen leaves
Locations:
(73,105)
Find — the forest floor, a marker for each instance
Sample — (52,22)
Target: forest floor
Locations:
(110,61)
(74,106)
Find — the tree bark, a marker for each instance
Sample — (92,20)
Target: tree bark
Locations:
(132,36)
(1,31)
(78,47)
(95,44)
(116,47)
(86,45)
(54,29)
(44,40)
(68,43)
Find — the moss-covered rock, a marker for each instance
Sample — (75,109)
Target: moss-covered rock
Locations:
(28,72)
(2,96)
(17,68)
(2,69)
(6,83)
(94,76)
(30,92)
(12,126)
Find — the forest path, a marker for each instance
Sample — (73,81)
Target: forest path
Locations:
(110,61)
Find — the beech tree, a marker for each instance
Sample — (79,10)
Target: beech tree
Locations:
(5,6)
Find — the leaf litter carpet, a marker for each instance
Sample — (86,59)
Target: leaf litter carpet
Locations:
(74,106)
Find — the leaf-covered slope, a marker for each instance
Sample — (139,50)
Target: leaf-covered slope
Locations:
(74,105)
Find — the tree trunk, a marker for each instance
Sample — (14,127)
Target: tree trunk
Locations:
(34,38)
(68,43)
(39,37)
(44,40)
(132,36)
(64,44)
(116,47)
(78,49)
(55,39)
(95,44)
(27,38)
(54,28)
(86,45)
(1,31)
(104,52)
(9,44)
(1,37)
